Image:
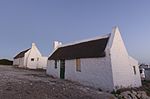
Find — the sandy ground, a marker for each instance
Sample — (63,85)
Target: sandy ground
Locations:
(30,84)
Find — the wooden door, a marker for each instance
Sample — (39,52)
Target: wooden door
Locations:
(62,69)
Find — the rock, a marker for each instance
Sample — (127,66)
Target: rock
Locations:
(126,95)
(133,92)
(142,95)
(133,96)
(31,84)
(141,92)
(138,96)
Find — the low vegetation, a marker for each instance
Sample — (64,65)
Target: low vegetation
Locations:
(6,62)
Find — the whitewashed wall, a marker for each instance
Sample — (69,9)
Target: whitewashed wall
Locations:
(25,62)
(51,70)
(34,53)
(16,62)
(95,72)
(122,70)
(42,62)
(19,62)
(137,78)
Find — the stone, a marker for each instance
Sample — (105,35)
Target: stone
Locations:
(126,95)
(133,96)
(134,92)
(142,95)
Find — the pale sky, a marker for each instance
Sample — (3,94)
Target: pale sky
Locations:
(43,21)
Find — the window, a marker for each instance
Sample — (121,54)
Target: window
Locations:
(32,59)
(134,70)
(78,65)
(55,64)
(140,71)
(38,59)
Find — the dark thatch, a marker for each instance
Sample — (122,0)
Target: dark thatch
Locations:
(21,54)
(89,49)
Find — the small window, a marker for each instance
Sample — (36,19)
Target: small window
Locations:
(134,70)
(78,65)
(140,71)
(55,64)
(32,59)
(38,59)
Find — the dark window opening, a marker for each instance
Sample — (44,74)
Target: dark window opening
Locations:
(140,71)
(32,59)
(134,70)
(55,64)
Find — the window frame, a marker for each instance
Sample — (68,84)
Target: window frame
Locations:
(78,65)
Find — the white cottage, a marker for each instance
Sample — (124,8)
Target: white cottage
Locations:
(102,62)
(30,58)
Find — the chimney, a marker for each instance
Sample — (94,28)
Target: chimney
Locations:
(33,44)
(57,44)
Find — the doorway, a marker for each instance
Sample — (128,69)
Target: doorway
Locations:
(62,69)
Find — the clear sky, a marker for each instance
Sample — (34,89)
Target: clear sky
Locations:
(43,21)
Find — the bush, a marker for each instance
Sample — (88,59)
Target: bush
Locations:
(6,62)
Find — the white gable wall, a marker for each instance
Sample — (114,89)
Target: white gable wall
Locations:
(35,54)
(123,73)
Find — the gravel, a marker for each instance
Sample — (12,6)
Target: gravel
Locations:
(18,83)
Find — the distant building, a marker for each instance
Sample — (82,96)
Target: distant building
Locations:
(102,62)
(142,73)
(144,66)
(30,58)
(145,71)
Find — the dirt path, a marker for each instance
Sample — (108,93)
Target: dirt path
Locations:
(28,84)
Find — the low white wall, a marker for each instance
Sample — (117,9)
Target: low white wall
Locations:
(42,62)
